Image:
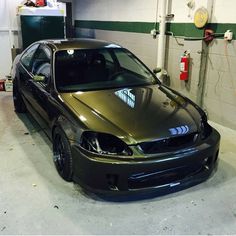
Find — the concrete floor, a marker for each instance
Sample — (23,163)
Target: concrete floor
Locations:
(35,200)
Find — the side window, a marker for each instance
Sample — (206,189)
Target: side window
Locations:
(28,55)
(41,64)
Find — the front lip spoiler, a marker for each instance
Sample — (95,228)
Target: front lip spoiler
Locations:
(151,192)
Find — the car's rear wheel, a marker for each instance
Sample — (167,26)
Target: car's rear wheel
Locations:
(62,154)
(17,99)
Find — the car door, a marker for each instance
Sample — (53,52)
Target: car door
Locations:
(41,68)
(25,74)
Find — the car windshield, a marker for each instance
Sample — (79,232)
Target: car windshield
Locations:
(95,69)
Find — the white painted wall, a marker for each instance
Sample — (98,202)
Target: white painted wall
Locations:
(183,14)
(140,10)
(8,33)
(224,11)
(113,10)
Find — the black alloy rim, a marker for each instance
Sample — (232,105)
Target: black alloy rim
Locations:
(59,153)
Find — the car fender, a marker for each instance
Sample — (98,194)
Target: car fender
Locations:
(67,126)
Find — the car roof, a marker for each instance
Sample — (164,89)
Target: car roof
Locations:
(65,44)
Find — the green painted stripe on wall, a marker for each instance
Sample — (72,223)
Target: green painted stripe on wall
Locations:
(184,29)
(137,27)
(222,28)
(178,29)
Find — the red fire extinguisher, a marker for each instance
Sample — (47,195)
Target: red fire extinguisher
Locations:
(184,66)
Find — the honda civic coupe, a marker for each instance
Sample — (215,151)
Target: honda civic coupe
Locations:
(114,126)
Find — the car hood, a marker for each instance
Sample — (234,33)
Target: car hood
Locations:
(135,114)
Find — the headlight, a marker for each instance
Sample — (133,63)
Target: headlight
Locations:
(104,144)
(206,129)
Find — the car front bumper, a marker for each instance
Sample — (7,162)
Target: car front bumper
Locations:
(159,172)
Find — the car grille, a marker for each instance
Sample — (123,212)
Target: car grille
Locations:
(168,144)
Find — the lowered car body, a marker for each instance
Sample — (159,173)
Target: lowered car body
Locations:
(113,125)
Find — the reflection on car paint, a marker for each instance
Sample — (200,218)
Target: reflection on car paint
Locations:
(112,46)
(126,96)
(184,129)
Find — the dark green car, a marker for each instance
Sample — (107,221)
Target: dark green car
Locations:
(113,125)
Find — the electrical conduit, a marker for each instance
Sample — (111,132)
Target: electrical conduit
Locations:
(162,35)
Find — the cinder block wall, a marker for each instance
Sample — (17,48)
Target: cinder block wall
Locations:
(212,80)
(220,91)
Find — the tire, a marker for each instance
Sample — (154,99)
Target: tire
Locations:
(62,156)
(17,99)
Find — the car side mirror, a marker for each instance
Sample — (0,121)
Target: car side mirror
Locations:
(156,70)
(39,78)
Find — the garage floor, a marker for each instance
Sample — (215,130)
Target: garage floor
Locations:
(35,200)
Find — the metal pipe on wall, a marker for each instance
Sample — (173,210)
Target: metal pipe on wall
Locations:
(204,61)
(9,24)
(162,35)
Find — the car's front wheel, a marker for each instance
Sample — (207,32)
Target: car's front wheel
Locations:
(17,99)
(62,154)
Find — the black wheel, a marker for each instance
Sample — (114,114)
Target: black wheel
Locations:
(17,99)
(62,154)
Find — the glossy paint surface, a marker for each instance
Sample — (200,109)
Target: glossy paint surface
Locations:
(138,114)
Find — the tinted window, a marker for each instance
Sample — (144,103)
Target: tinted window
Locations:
(28,55)
(127,61)
(95,69)
(41,64)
